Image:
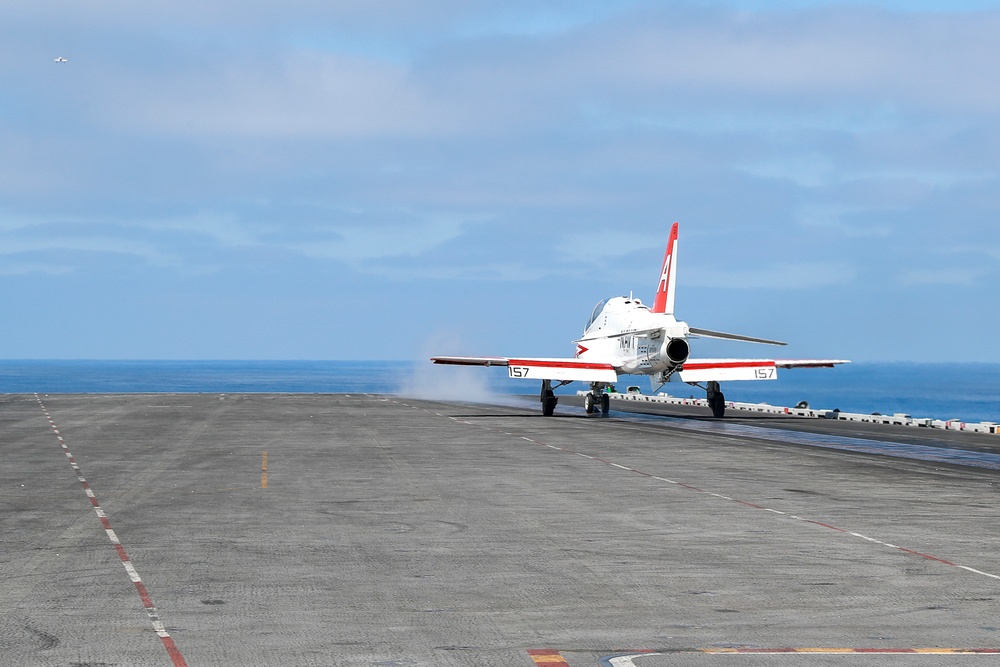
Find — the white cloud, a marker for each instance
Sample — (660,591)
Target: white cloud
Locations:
(187,244)
(294,95)
(87,244)
(964,277)
(356,244)
(833,56)
(223,228)
(471,143)
(817,171)
(810,171)
(17,268)
(606,245)
(775,276)
(842,219)
(496,272)
(815,61)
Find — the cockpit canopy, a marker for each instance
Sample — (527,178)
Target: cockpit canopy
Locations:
(597,312)
(599,308)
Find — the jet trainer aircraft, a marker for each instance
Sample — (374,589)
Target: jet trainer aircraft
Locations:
(626,337)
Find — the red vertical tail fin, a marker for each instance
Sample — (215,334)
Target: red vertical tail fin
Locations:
(664,302)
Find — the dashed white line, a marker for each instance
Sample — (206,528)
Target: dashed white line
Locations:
(746,504)
(168,643)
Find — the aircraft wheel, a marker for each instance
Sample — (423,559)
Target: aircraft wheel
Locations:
(549,405)
(588,403)
(605,404)
(718,405)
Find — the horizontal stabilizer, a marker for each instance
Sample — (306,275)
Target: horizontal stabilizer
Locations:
(708,333)
(563,370)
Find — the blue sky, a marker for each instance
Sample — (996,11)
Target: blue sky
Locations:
(388,180)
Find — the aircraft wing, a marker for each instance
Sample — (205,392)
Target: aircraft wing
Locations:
(564,370)
(722,370)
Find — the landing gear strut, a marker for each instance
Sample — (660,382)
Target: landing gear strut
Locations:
(716,399)
(597,399)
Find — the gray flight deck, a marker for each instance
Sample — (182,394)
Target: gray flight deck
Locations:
(361,530)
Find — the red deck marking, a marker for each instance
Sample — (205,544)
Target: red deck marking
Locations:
(841,530)
(552,657)
(836,651)
(154,616)
(749,504)
(626,660)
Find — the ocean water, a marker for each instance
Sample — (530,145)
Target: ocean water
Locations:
(970,392)
(88,377)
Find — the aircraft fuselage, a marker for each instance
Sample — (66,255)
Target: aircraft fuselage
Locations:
(639,341)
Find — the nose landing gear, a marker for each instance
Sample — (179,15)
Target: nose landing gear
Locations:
(597,399)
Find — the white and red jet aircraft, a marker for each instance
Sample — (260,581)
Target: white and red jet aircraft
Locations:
(626,337)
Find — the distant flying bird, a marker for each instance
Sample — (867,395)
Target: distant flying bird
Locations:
(60,59)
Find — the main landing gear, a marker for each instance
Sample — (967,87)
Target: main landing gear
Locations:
(716,399)
(548,398)
(597,399)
